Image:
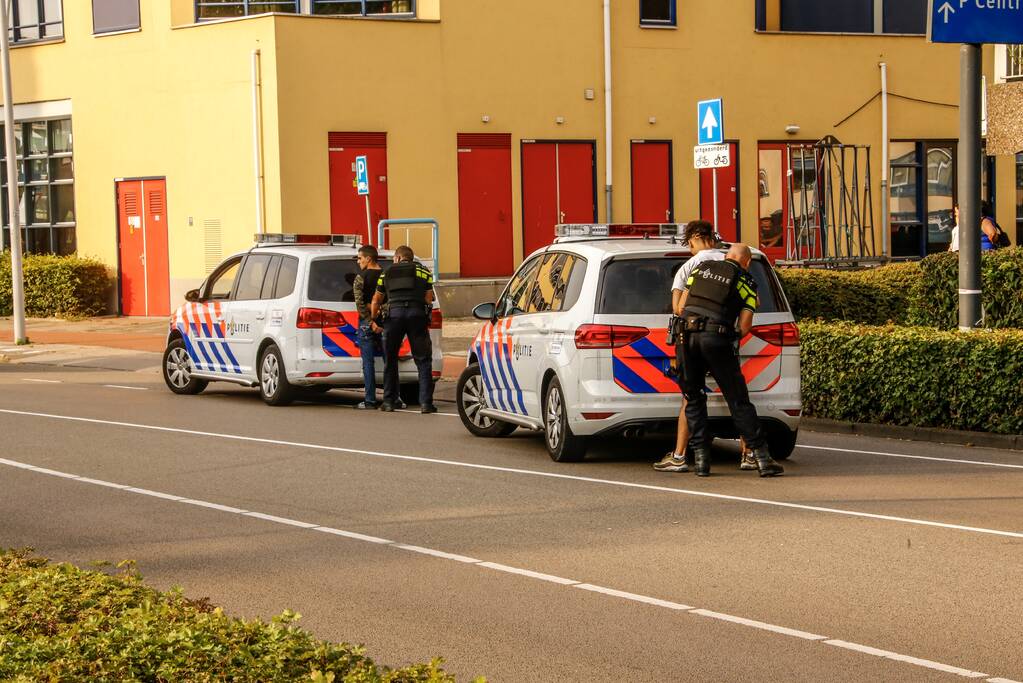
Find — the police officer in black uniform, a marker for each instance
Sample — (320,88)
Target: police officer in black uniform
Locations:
(408,290)
(717,310)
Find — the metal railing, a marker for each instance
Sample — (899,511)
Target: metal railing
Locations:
(1013,62)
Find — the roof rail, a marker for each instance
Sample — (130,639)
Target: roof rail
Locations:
(276,239)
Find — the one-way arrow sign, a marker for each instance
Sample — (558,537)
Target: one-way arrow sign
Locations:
(975,21)
(709,122)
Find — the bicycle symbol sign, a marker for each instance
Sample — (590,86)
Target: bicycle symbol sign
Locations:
(712,156)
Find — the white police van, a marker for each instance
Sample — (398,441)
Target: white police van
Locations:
(576,346)
(281,317)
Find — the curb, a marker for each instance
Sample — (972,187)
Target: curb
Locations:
(1013,442)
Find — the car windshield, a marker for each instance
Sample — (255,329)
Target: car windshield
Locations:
(642,286)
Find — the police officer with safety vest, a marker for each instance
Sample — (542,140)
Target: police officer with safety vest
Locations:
(717,310)
(408,290)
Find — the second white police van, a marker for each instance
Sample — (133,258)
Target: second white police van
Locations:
(576,346)
(281,317)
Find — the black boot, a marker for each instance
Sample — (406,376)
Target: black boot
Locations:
(702,457)
(766,465)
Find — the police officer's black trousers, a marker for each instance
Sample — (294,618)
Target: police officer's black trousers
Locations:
(408,321)
(709,351)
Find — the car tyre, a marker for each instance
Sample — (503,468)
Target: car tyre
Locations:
(562,444)
(274,386)
(178,369)
(471,398)
(781,441)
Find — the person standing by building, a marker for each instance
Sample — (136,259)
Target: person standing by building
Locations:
(370,338)
(703,242)
(407,289)
(718,305)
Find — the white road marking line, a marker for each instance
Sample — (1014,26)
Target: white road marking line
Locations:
(926,663)
(121,386)
(914,457)
(530,573)
(634,597)
(534,473)
(758,624)
(416,412)
(780,630)
(32,353)
(41,381)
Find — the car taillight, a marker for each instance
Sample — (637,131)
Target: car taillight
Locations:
(607,336)
(318,318)
(779,334)
(436,319)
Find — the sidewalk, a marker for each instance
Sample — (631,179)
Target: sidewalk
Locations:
(149,335)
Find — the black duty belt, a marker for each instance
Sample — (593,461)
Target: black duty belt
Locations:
(692,325)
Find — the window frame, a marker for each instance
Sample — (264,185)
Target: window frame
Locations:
(922,194)
(246,5)
(672,22)
(302,7)
(760,24)
(364,13)
(16,27)
(123,29)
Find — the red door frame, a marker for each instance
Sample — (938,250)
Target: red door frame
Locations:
(522,177)
(485,221)
(779,252)
(736,171)
(117,238)
(671,175)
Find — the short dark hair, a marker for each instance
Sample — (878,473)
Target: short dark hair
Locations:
(404,253)
(985,209)
(699,229)
(370,252)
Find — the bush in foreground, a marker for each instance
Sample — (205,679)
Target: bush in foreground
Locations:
(873,297)
(58,286)
(936,297)
(913,376)
(62,623)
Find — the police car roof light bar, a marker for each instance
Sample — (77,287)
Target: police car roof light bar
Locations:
(644,230)
(278,238)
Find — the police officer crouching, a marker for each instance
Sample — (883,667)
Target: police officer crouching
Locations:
(718,308)
(408,290)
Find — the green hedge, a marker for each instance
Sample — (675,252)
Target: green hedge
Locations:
(61,623)
(873,297)
(925,293)
(58,286)
(936,297)
(914,376)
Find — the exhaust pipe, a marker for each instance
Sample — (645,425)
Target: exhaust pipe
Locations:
(633,432)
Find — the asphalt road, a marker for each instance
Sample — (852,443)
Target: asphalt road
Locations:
(869,560)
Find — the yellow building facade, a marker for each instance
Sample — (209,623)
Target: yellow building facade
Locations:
(247,122)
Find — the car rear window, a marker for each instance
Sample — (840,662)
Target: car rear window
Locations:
(332,280)
(642,286)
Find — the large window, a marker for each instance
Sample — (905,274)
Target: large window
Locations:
(923,184)
(35,20)
(110,16)
(221,9)
(1013,62)
(46,185)
(657,12)
(843,16)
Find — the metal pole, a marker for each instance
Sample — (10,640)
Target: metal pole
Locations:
(885,170)
(715,174)
(369,224)
(17,284)
(969,187)
(257,145)
(608,113)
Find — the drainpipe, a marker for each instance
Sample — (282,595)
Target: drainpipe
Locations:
(886,172)
(608,169)
(257,141)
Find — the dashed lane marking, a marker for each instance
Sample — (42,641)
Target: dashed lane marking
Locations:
(526,573)
(914,457)
(532,473)
(41,381)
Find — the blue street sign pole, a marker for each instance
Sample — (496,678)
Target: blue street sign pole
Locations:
(362,187)
(710,130)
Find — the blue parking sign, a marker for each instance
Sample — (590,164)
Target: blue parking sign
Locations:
(710,122)
(362,175)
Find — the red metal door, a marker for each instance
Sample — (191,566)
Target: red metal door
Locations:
(154,219)
(558,186)
(347,207)
(728,197)
(652,182)
(485,205)
(131,249)
(142,244)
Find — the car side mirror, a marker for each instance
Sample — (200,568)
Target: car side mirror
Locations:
(192,295)
(485,311)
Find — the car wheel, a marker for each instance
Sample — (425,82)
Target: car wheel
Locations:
(273,380)
(562,444)
(781,441)
(178,369)
(471,399)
